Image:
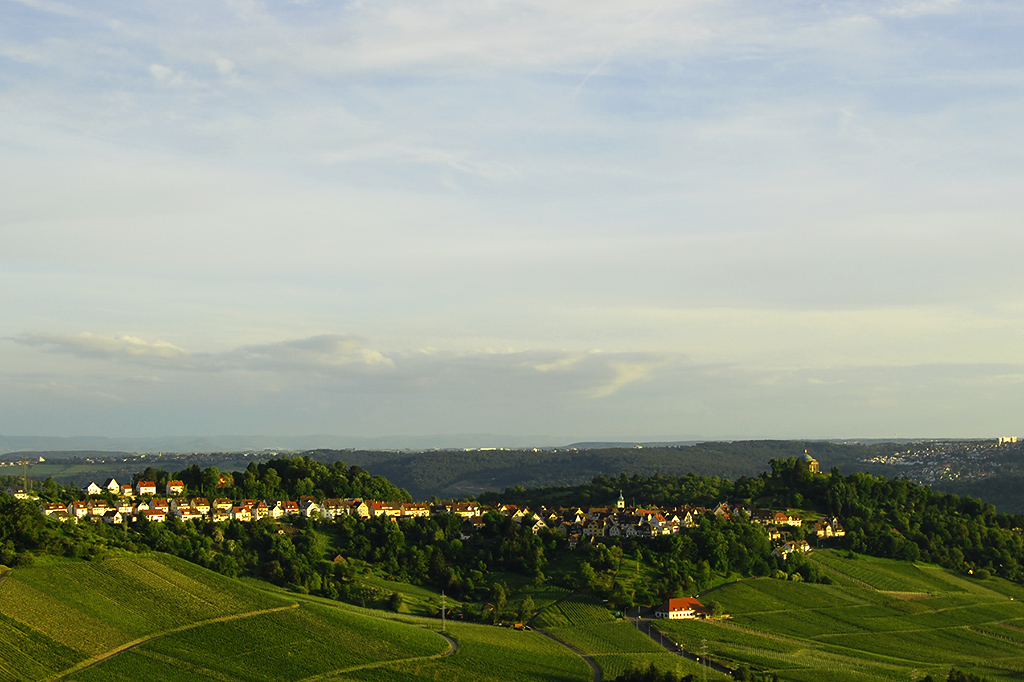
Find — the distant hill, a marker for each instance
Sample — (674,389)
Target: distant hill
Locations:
(457,473)
(229,443)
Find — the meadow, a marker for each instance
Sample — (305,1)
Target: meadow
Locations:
(295,644)
(888,620)
(163,618)
(613,644)
(486,654)
(59,612)
(883,620)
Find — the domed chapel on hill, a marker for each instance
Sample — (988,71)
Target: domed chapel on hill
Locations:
(809,462)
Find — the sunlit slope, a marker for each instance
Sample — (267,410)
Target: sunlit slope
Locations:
(59,612)
(157,617)
(882,620)
(486,654)
(295,644)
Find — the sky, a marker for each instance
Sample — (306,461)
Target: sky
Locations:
(587,220)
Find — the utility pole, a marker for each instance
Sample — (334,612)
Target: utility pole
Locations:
(704,660)
(442,610)
(24,469)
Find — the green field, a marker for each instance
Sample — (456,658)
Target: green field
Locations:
(486,654)
(295,644)
(615,645)
(420,601)
(59,612)
(156,617)
(888,620)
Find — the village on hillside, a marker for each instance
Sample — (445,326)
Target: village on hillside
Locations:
(576,524)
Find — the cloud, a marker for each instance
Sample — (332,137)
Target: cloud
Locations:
(170,78)
(560,364)
(625,374)
(592,373)
(326,353)
(917,8)
(404,153)
(51,7)
(225,67)
(86,345)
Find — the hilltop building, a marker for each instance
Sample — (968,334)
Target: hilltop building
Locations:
(809,463)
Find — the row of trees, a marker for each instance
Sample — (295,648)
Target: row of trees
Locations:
(283,478)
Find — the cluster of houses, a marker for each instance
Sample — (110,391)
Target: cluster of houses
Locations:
(577,524)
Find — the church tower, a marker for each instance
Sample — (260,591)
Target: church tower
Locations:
(621,504)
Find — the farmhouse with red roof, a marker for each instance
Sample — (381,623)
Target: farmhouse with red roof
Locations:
(685,607)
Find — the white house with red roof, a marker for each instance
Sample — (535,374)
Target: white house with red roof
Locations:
(78,509)
(153,515)
(175,487)
(145,488)
(683,607)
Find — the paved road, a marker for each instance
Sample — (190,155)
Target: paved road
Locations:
(645,625)
(451,642)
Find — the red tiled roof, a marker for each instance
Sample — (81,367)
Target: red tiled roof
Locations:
(684,604)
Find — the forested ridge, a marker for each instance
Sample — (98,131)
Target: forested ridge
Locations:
(883,517)
(887,517)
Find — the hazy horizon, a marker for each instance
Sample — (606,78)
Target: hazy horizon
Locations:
(781,220)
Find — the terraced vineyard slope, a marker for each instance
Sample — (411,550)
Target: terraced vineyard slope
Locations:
(881,620)
(58,612)
(614,645)
(157,617)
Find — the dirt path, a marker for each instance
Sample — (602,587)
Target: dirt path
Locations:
(594,667)
(453,646)
(95,660)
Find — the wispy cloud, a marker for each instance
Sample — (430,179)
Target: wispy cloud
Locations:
(86,345)
(326,353)
(591,373)
(625,374)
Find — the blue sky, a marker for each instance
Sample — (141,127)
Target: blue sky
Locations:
(592,220)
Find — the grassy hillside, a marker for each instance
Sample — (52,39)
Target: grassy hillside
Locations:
(615,645)
(59,612)
(882,620)
(294,644)
(156,617)
(153,616)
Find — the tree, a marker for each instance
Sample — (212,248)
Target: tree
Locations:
(499,598)
(210,481)
(526,608)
